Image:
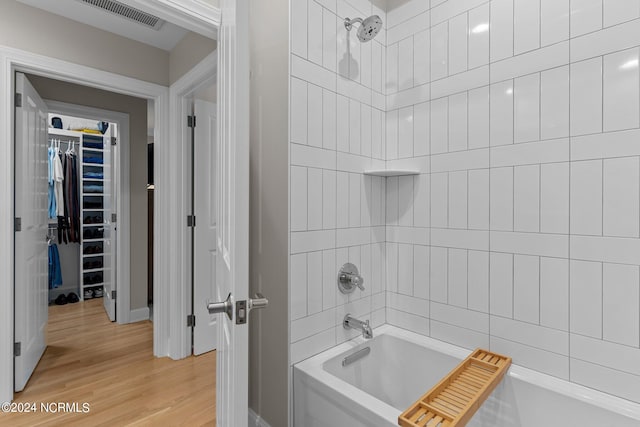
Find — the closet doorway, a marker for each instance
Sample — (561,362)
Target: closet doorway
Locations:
(193,103)
(86,238)
(94,240)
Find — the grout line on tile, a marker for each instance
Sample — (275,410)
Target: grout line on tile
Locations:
(468,39)
(513,286)
(540,24)
(540,291)
(447,273)
(602,69)
(601,301)
(513,27)
(489,183)
(601,195)
(513,198)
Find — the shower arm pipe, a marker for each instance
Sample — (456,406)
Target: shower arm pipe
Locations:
(348,22)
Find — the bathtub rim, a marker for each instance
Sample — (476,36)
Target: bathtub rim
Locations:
(314,367)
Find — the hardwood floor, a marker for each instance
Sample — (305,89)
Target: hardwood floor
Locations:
(111,367)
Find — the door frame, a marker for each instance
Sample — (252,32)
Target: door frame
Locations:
(168,190)
(123,236)
(179,107)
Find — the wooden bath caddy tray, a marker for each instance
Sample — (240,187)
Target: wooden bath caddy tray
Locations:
(454,400)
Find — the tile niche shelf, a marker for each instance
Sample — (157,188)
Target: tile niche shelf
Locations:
(391,172)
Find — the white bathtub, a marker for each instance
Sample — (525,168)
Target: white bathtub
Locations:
(402,366)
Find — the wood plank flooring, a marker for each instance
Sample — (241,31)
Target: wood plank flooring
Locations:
(111,367)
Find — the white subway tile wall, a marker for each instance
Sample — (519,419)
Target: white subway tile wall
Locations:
(338,127)
(522,231)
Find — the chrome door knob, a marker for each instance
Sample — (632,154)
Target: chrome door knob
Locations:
(259,301)
(225,306)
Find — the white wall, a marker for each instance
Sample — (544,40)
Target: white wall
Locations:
(269,333)
(70,268)
(35,30)
(188,53)
(337,213)
(521,231)
(529,198)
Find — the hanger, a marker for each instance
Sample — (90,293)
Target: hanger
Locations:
(51,235)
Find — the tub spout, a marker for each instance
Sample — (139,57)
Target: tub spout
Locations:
(353,323)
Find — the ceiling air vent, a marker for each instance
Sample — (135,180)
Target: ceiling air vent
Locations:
(127,12)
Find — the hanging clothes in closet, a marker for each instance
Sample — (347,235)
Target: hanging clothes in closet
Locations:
(64,204)
(53,209)
(58,176)
(63,218)
(55,271)
(71,195)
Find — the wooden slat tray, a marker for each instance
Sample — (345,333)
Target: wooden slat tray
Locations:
(454,400)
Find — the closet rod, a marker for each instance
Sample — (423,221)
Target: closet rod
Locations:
(64,142)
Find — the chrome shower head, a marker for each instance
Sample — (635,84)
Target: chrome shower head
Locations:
(369,27)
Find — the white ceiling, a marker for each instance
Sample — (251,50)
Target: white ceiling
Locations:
(165,38)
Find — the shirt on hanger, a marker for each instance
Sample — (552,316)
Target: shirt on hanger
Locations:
(52,196)
(58,176)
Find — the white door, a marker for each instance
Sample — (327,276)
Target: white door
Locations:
(232,232)
(205,332)
(109,255)
(31,258)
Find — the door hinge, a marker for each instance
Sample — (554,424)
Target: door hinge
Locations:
(17,224)
(18,100)
(113,140)
(241,312)
(191,220)
(17,349)
(191,321)
(191,121)
(114,217)
(114,294)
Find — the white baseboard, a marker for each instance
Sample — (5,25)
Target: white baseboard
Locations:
(139,314)
(256,420)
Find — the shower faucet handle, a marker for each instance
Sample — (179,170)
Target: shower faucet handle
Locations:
(357,280)
(349,279)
